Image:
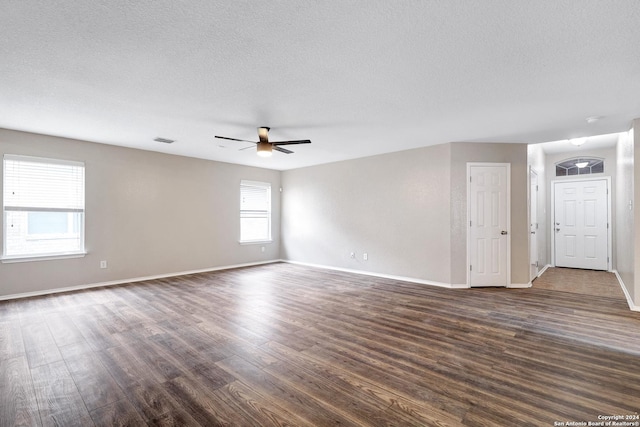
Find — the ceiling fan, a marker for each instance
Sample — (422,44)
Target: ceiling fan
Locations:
(265,148)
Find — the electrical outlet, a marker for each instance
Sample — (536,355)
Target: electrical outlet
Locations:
(365,256)
(353,255)
(262,249)
(103,264)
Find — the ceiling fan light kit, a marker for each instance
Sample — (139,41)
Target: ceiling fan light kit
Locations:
(264,146)
(264,149)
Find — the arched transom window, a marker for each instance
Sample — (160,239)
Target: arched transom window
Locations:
(580,166)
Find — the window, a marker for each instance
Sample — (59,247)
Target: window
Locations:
(43,207)
(255,211)
(580,166)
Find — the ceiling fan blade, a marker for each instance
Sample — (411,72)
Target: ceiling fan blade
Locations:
(246,148)
(282,150)
(234,139)
(301,141)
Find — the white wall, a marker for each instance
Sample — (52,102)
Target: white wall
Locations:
(624,244)
(635,231)
(146,214)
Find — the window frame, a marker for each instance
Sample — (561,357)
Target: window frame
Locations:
(51,255)
(268,211)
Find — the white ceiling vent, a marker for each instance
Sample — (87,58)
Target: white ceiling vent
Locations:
(165,140)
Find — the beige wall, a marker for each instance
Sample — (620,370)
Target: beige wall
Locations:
(516,155)
(624,212)
(146,214)
(407,210)
(394,206)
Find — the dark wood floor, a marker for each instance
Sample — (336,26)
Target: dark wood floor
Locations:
(288,345)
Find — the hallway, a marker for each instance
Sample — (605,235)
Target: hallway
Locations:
(584,282)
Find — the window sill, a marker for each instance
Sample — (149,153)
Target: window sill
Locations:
(255,242)
(49,257)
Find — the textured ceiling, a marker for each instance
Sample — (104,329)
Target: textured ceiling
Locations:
(356,77)
(596,142)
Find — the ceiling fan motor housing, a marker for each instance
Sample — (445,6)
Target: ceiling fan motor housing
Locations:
(263,133)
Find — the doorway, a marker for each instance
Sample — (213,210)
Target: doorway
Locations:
(581,224)
(488,210)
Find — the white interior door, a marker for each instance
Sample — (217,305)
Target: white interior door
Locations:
(533,227)
(488,225)
(580,224)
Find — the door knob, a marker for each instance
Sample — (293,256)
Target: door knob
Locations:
(503,232)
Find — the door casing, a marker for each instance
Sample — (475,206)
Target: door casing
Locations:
(508,226)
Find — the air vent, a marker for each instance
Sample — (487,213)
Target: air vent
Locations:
(164,140)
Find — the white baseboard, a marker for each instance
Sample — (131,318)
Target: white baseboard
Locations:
(543,270)
(384,276)
(519,285)
(136,279)
(632,306)
(402,278)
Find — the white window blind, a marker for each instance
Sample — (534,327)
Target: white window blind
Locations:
(255,211)
(43,204)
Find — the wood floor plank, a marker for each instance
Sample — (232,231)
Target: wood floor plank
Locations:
(472,365)
(156,405)
(268,385)
(11,342)
(282,344)
(30,312)
(58,398)
(384,406)
(93,330)
(117,414)
(163,367)
(204,340)
(261,409)
(10,310)
(62,329)
(366,392)
(202,403)
(322,390)
(18,402)
(95,384)
(127,370)
(39,345)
